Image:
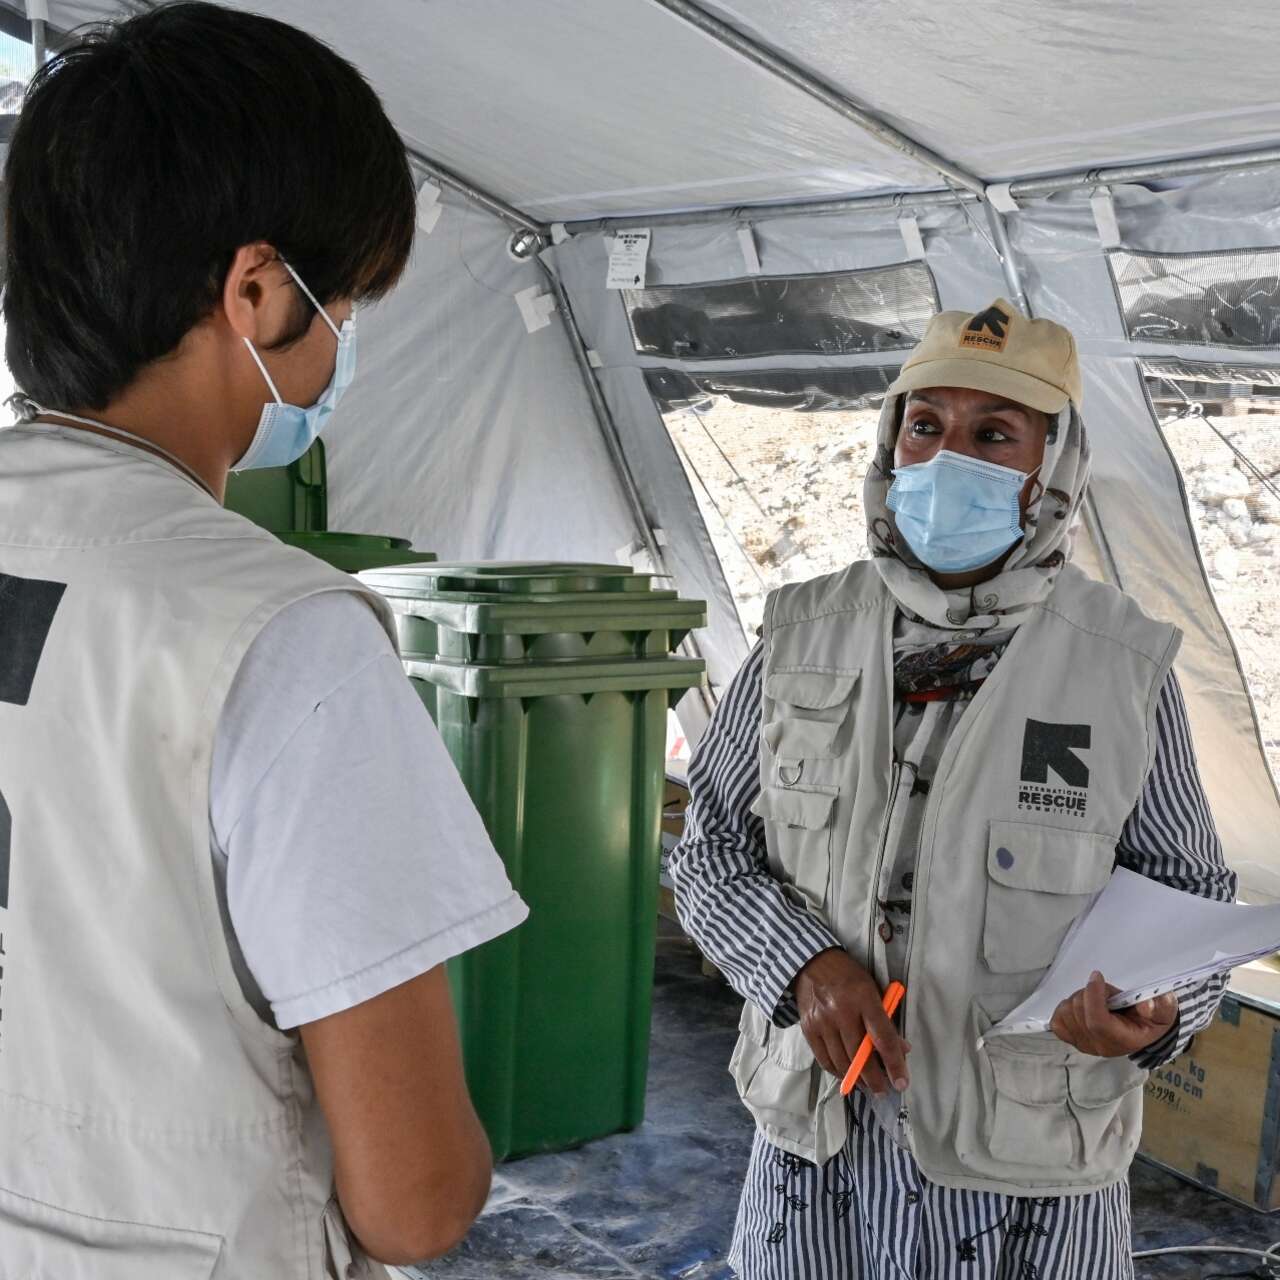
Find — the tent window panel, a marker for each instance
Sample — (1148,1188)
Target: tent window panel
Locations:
(777,460)
(1222,425)
(1226,299)
(838,313)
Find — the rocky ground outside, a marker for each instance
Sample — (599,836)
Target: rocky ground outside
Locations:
(781,493)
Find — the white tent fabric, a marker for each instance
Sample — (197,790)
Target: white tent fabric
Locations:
(572,108)
(464,431)
(483,439)
(1013,89)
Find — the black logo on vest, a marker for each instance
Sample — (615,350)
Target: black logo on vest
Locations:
(1054,778)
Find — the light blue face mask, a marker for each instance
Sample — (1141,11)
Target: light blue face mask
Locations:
(957,513)
(286,431)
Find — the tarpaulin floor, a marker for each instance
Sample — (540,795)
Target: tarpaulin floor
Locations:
(659,1203)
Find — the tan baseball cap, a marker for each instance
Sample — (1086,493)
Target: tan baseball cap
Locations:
(997,349)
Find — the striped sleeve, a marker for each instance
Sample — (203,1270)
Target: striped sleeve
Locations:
(1171,837)
(727,899)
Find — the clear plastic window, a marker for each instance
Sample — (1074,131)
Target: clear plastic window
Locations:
(777,460)
(1223,426)
(1227,299)
(839,313)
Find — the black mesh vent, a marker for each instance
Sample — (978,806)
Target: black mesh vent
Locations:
(1229,299)
(841,313)
(797,390)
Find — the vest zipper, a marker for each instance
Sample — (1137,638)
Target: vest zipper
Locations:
(885,824)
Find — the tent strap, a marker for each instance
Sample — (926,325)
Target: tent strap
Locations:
(477,195)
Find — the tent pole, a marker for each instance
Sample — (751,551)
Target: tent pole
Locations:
(1025,189)
(830,97)
(784,209)
(604,418)
(1188,166)
(613,442)
(39,41)
(1008,260)
(500,208)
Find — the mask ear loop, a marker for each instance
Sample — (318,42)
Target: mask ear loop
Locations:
(262,368)
(311,297)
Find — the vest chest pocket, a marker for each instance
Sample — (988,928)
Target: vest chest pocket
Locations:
(1039,879)
(799,829)
(810,714)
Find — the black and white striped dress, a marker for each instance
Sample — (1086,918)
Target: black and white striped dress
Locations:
(870,1214)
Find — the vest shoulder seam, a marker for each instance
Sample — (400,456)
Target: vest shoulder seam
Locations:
(1104,635)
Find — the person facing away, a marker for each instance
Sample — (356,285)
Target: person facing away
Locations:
(234,854)
(923,771)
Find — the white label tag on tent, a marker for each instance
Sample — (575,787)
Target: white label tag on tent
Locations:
(750,255)
(1104,217)
(536,307)
(629,259)
(429,206)
(912,240)
(559,233)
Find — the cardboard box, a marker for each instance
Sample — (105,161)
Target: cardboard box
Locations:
(1213,1115)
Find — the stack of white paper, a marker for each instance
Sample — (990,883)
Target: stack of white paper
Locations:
(1146,939)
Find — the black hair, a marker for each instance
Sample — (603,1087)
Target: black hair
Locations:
(148,152)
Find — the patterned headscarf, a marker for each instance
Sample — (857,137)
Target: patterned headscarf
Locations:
(1028,575)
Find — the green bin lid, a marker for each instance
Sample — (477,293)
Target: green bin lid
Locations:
(541,679)
(547,615)
(354,552)
(522,578)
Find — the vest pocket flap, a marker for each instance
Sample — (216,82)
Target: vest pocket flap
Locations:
(809,808)
(813,690)
(797,739)
(1102,1082)
(1048,860)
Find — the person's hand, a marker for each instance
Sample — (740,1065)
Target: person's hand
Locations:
(839,1004)
(1084,1021)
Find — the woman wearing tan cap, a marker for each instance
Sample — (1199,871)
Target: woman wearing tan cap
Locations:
(925,769)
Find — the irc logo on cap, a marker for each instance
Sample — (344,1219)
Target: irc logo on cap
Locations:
(988,330)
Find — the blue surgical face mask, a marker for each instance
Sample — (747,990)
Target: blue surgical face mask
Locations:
(957,513)
(286,431)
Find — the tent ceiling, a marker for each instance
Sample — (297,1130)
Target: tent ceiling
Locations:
(579,108)
(1009,90)
(573,107)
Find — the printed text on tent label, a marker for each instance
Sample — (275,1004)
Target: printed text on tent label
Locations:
(628,259)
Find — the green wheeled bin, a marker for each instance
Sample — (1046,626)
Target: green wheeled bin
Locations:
(292,502)
(355,552)
(551,689)
(283,499)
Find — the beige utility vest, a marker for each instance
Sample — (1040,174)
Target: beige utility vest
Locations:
(152,1126)
(1021,826)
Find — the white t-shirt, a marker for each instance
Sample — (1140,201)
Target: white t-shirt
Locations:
(348,855)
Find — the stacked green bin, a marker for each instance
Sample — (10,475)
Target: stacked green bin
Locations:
(354,552)
(283,499)
(551,687)
(292,502)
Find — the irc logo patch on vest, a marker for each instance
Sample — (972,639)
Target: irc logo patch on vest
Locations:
(1054,778)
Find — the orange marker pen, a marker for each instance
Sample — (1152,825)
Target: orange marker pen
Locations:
(892,999)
